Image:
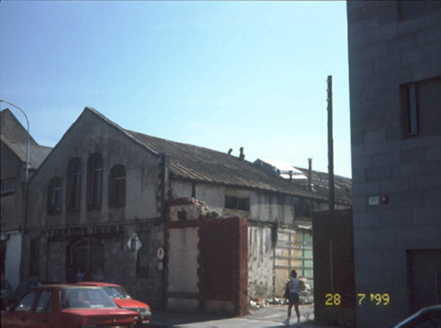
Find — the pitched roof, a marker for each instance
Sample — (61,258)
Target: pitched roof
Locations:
(37,153)
(194,163)
(320,183)
(15,136)
(190,162)
(11,128)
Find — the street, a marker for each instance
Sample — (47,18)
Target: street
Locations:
(270,316)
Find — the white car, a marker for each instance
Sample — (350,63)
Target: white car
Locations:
(429,317)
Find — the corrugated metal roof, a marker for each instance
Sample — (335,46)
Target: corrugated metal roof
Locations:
(202,164)
(320,183)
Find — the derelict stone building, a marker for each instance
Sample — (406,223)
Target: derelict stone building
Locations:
(99,202)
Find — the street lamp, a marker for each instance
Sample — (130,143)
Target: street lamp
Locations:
(25,191)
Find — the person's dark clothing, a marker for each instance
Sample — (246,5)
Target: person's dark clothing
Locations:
(71,276)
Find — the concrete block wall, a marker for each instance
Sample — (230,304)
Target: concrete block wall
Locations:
(384,53)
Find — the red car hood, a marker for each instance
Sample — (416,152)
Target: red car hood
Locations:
(103,312)
(129,303)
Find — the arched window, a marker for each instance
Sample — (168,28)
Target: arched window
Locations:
(54,196)
(117,186)
(73,188)
(94,181)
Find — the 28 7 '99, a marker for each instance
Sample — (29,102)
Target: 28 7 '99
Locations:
(378,299)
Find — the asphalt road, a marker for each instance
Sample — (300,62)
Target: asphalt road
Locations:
(271,316)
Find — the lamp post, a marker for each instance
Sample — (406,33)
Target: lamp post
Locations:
(25,188)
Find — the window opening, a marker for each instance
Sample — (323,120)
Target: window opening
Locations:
(236,203)
(54,196)
(117,186)
(421,107)
(7,186)
(94,181)
(74,184)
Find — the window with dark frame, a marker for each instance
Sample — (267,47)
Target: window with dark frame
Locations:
(73,188)
(302,210)
(421,107)
(117,186)
(54,196)
(236,203)
(34,260)
(7,186)
(143,258)
(94,181)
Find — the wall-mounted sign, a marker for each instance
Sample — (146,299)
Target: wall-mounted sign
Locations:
(160,253)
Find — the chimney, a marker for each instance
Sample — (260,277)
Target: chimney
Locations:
(229,152)
(241,156)
(310,173)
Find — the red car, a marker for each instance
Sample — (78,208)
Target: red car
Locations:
(123,299)
(67,306)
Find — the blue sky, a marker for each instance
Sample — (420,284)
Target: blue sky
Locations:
(214,74)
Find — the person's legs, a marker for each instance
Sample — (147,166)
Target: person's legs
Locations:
(296,307)
(286,322)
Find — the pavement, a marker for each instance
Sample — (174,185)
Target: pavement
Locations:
(269,316)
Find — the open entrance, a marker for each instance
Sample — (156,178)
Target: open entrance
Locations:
(87,254)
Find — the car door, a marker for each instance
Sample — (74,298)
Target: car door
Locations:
(20,315)
(41,315)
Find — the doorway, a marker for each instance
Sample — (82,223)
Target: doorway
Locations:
(424,267)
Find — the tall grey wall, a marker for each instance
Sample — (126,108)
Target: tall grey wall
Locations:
(387,50)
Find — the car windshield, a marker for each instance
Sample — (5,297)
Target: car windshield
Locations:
(116,292)
(76,298)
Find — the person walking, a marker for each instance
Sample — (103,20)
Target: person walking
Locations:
(293,285)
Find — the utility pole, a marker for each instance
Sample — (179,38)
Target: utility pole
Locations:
(330,148)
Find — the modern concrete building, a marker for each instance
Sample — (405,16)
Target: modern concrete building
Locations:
(395,100)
